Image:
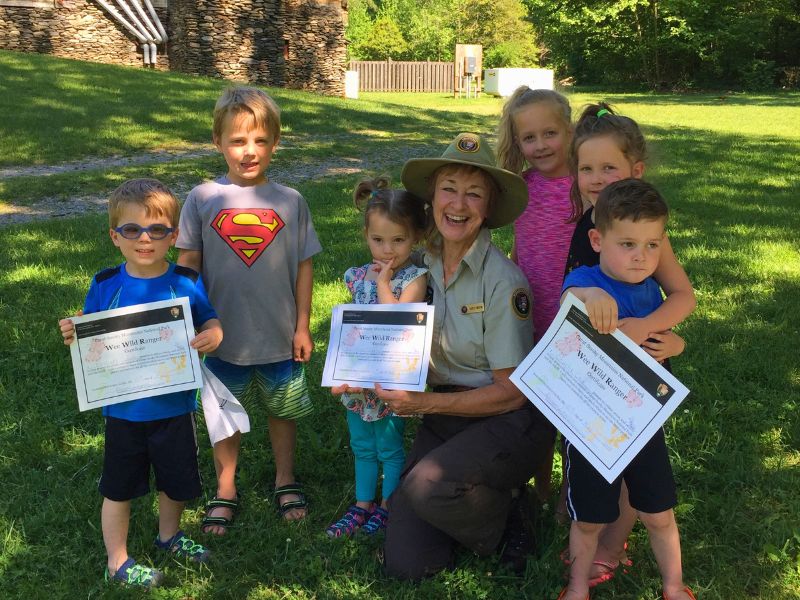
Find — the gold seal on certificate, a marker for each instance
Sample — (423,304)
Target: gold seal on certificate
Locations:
(605,394)
(388,344)
(134,352)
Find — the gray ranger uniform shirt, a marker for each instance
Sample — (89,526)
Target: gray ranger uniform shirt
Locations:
(482,319)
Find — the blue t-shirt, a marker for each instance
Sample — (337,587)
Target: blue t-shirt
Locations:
(633,299)
(114,288)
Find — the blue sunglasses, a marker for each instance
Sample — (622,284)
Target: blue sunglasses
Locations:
(132,231)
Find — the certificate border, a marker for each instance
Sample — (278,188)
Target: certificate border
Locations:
(334,344)
(84,403)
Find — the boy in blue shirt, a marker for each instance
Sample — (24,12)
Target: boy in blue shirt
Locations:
(630,216)
(158,431)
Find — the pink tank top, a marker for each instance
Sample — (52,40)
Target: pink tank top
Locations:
(542,237)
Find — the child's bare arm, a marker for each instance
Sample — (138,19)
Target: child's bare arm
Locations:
(68,328)
(209,338)
(678,305)
(191,258)
(600,306)
(664,345)
(414,291)
(302,344)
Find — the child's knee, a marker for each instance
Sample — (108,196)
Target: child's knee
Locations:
(585,529)
(660,521)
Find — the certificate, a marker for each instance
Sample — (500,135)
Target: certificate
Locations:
(605,394)
(388,344)
(134,352)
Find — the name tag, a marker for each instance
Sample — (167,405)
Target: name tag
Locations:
(468,309)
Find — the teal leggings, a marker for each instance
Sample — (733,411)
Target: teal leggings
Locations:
(376,442)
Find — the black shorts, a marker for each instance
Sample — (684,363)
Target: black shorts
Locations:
(169,445)
(651,487)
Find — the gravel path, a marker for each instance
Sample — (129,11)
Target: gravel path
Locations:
(52,208)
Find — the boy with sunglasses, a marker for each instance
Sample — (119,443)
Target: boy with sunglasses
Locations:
(158,431)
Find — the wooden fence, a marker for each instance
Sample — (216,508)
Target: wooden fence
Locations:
(403,76)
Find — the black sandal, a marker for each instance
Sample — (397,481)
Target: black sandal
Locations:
(284,490)
(224,522)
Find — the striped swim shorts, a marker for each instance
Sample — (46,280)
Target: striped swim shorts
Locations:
(280,387)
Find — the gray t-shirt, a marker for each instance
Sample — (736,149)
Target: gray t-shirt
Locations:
(252,240)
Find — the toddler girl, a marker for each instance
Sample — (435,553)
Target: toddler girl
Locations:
(394,221)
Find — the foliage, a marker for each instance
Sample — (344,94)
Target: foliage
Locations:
(430,29)
(669,43)
(383,40)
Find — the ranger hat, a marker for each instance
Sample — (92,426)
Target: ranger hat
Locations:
(470,149)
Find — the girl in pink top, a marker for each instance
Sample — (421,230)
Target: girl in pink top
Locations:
(533,139)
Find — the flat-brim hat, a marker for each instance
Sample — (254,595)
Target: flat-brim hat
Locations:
(470,149)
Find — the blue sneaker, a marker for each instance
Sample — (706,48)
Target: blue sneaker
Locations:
(182,546)
(133,574)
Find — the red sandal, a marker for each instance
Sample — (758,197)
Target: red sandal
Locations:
(685,589)
(608,574)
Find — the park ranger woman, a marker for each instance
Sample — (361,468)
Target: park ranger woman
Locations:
(480,440)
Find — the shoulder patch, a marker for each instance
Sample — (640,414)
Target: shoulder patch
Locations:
(107,273)
(521,303)
(187,272)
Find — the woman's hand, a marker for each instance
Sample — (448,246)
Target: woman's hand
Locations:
(402,403)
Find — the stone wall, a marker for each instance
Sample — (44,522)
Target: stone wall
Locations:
(292,43)
(316,47)
(78,29)
(236,39)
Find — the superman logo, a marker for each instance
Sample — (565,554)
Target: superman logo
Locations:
(247,231)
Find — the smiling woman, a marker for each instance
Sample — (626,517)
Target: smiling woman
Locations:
(480,441)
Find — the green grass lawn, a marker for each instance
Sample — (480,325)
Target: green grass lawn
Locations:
(729,170)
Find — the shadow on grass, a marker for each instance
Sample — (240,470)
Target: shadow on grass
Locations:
(78,109)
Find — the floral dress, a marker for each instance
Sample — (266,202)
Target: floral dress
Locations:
(367,404)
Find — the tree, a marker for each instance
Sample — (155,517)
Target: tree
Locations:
(669,42)
(384,40)
(431,29)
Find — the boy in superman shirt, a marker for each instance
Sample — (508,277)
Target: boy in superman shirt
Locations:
(159,430)
(253,241)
